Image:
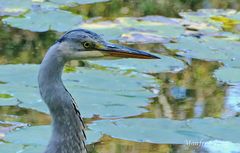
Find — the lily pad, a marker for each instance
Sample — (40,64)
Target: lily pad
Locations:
(18,7)
(36,149)
(10,148)
(104,93)
(166,131)
(14,7)
(206,14)
(228,75)
(236,16)
(125,26)
(207,48)
(69,2)
(36,138)
(165,64)
(7,99)
(108,29)
(40,20)
(157,18)
(142,37)
(221,146)
(214,19)
(15,148)
(40,135)
(228,23)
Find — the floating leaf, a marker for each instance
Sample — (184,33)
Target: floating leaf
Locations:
(36,138)
(221,146)
(228,75)
(14,148)
(207,48)
(108,29)
(213,18)
(44,20)
(8,102)
(40,136)
(14,7)
(166,131)
(104,93)
(160,19)
(17,7)
(165,64)
(122,27)
(236,16)
(69,2)
(10,148)
(228,24)
(142,37)
(205,14)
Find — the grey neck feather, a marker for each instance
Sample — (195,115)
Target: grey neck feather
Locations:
(68,129)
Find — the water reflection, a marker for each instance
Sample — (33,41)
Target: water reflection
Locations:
(122,146)
(113,145)
(6,127)
(232,101)
(116,8)
(190,94)
(23,115)
(22,46)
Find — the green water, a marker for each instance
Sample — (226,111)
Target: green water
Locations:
(182,93)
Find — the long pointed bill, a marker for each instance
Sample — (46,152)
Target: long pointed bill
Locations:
(122,51)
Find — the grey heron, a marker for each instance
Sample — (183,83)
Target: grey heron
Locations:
(68,128)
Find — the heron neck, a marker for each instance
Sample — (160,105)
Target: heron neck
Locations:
(51,86)
(49,77)
(67,124)
(51,68)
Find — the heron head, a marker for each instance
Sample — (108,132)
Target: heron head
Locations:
(84,44)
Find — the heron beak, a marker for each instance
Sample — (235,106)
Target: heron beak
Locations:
(123,51)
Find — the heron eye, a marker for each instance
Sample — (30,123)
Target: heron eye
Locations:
(86,44)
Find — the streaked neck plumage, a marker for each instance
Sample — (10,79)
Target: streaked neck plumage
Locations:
(68,129)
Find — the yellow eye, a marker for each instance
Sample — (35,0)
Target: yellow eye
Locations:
(86,44)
